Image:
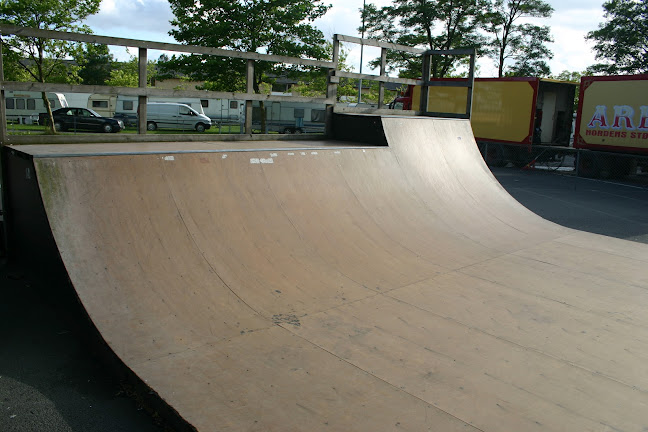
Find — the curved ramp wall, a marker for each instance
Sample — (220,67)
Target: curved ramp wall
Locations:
(328,287)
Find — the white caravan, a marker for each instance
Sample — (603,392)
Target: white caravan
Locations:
(290,117)
(109,105)
(24,107)
(224,111)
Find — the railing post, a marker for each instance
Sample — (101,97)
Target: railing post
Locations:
(248,102)
(383,72)
(425,77)
(471,84)
(331,87)
(3,106)
(141,109)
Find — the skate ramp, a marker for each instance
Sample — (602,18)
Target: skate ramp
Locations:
(328,287)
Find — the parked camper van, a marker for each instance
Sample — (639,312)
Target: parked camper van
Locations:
(102,104)
(166,115)
(25,106)
(289,117)
(224,111)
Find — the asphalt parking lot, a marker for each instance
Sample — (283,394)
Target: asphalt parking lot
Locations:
(613,208)
(51,381)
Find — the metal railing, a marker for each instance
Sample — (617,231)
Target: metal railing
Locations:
(425,82)
(144,93)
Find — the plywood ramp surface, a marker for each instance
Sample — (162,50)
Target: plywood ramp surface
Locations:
(352,289)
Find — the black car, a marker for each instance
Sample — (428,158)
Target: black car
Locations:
(84,119)
(128,119)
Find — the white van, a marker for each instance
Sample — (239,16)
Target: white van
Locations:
(167,115)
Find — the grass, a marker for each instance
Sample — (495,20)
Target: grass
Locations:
(20,129)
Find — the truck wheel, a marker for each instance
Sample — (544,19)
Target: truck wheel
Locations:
(588,166)
(200,127)
(494,155)
(107,128)
(151,126)
(299,131)
(621,167)
(288,131)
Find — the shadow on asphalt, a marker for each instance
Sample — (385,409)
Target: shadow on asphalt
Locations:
(613,208)
(50,379)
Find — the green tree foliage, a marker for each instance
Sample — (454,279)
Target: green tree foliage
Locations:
(44,60)
(13,69)
(622,40)
(126,74)
(428,24)
(522,43)
(531,52)
(570,76)
(314,83)
(95,63)
(280,27)
(574,77)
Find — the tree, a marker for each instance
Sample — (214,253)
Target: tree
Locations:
(280,27)
(574,77)
(314,83)
(570,76)
(95,63)
(531,52)
(622,40)
(13,70)
(524,43)
(126,74)
(45,58)
(428,24)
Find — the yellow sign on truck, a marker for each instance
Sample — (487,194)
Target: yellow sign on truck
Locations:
(613,114)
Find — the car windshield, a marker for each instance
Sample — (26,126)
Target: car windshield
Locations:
(94,113)
(185,110)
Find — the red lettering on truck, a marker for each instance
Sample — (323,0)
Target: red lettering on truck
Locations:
(599,117)
(623,118)
(643,120)
(623,114)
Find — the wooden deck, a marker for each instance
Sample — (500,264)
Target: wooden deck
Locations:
(346,288)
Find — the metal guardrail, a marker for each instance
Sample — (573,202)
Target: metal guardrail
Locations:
(469,83)
(143,92)
(425,82)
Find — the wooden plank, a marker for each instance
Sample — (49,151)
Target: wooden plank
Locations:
(599,295)
(377,43)
(488,382)
(6,29)
(290,386)
(93,138)
(528,319)
(383,79)
(154,92)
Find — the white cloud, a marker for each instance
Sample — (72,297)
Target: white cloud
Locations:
(108,7)
(570,24)
(129,19)
(149,20)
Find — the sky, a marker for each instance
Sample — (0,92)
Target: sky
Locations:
(149,20)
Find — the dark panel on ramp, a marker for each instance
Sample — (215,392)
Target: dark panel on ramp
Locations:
(365,129)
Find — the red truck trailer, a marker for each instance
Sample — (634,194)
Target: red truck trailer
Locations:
(513,119)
